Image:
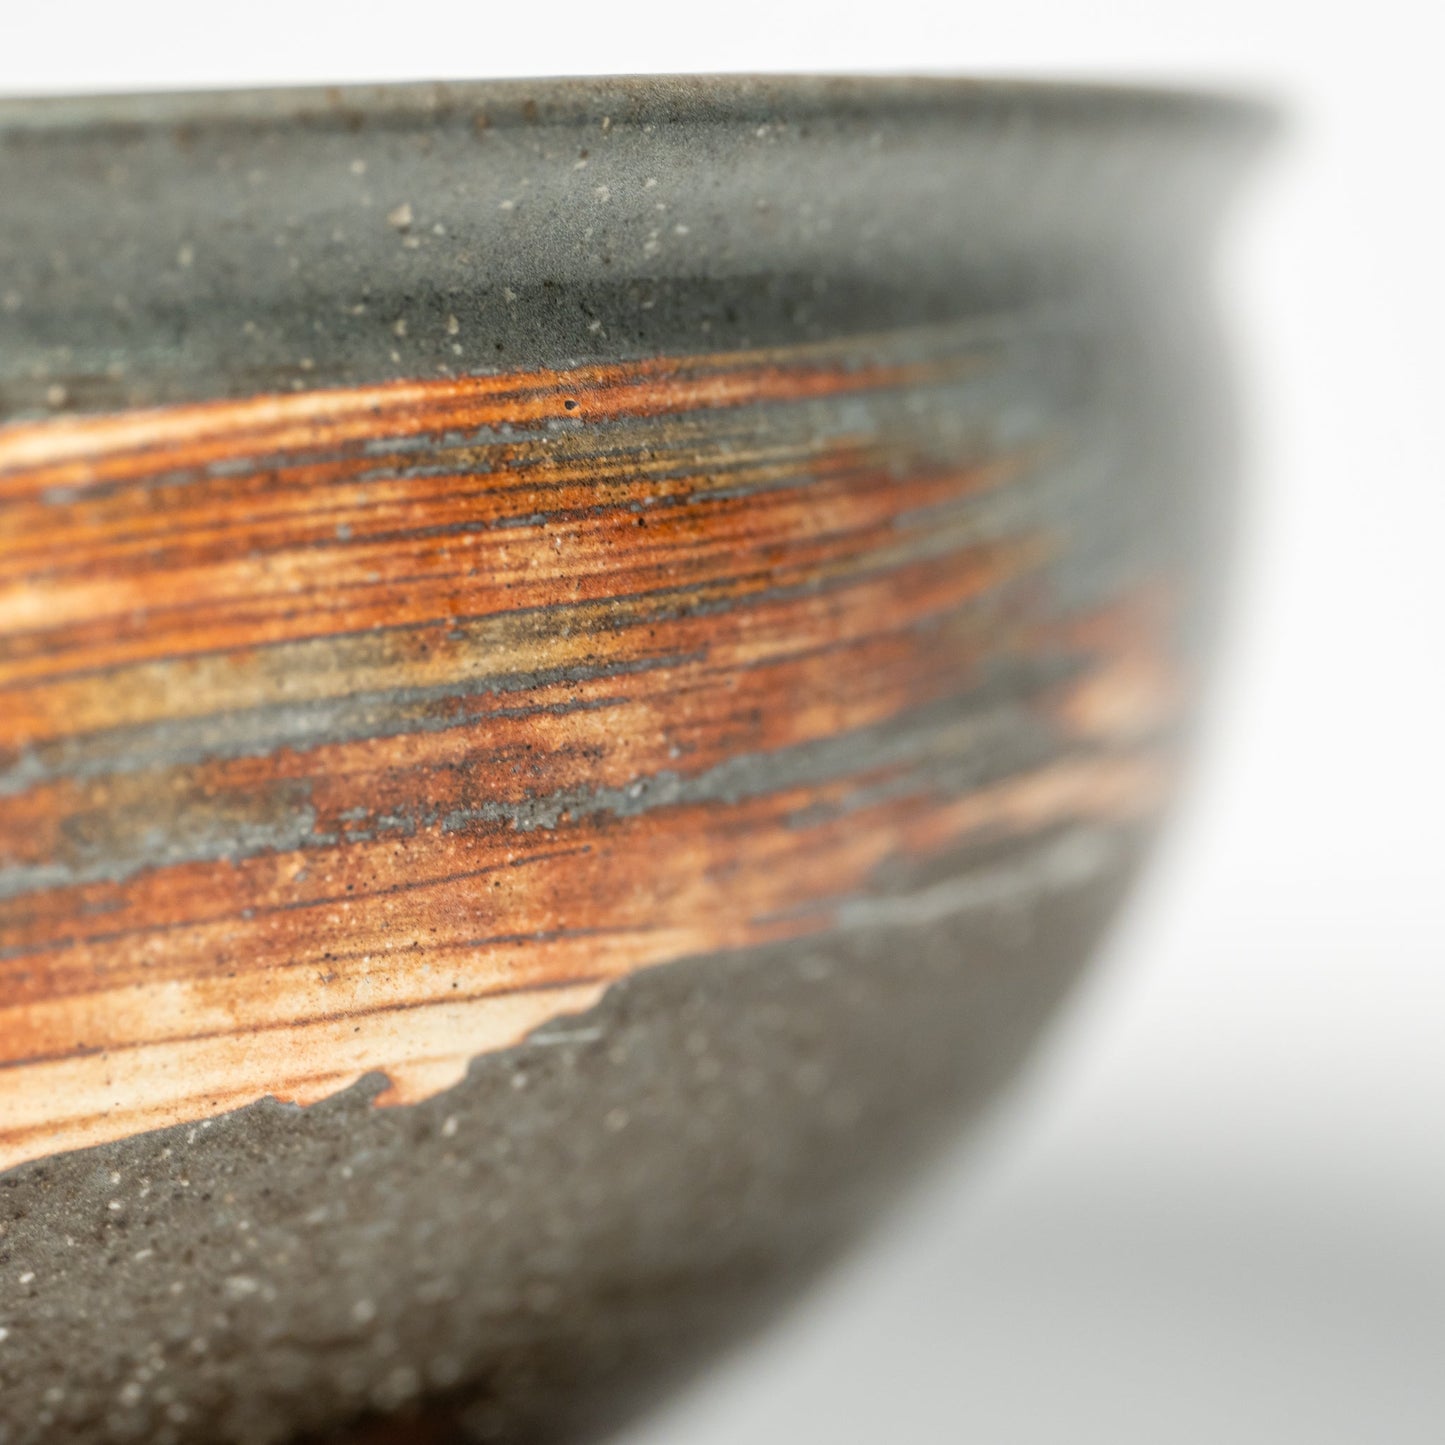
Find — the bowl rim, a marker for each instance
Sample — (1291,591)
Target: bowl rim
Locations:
(673,99)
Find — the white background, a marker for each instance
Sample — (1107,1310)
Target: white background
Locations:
(1215,1211)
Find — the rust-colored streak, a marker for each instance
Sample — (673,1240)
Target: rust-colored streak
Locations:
(90,451)
(369,730)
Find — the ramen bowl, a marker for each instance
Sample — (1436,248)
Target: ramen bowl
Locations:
(581,665)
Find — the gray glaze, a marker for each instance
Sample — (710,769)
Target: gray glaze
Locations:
(532,1254)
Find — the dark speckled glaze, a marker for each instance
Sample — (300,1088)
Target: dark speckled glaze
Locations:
(581,664)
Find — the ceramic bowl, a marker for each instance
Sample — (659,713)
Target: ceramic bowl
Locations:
(581,665)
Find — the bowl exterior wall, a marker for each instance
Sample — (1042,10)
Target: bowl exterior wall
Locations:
(580,667)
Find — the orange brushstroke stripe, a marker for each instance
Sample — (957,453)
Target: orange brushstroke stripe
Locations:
(87,451)
(793,665)
(496,626)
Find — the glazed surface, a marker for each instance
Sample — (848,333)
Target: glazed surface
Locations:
(641,625)
(360,731)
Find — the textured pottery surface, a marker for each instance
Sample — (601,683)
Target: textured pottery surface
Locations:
(580,666)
